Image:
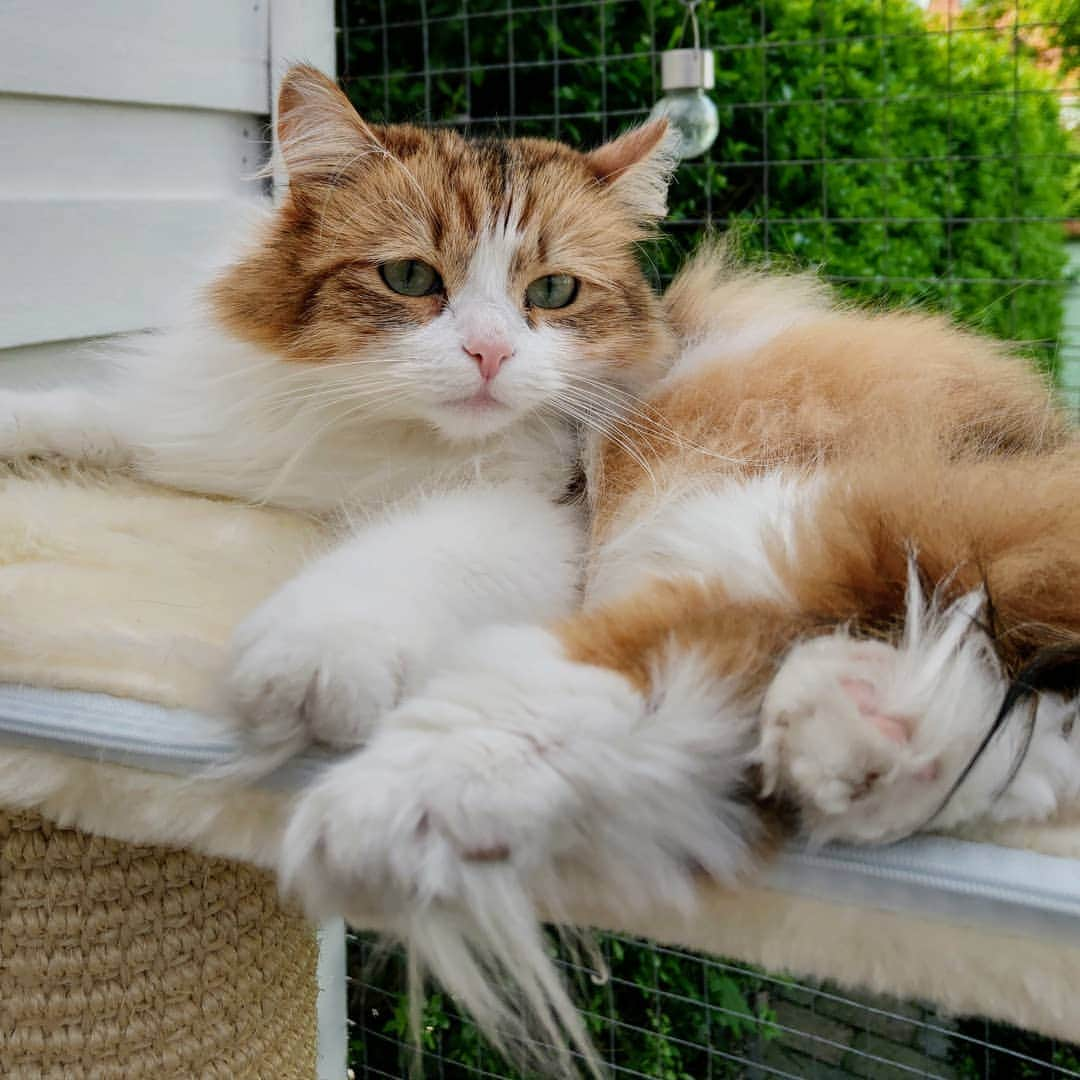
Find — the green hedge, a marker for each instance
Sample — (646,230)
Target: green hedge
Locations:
(855,135)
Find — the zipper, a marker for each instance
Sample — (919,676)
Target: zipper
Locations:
(935,877)
(121,731)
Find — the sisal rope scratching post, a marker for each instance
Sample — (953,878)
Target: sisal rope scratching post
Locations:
(120,961)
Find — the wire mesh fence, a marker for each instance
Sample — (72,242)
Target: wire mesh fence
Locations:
(915,154)
(666,1013)
(924,153)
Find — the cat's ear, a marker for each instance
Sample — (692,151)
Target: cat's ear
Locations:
(638,166)
(319,132)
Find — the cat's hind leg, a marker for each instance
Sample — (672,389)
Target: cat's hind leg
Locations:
(868,735)
(876,739)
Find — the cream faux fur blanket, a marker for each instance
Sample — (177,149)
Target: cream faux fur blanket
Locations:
(130,590)
(114,586)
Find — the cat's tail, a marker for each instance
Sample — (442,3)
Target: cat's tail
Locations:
(689,301)
(718,290)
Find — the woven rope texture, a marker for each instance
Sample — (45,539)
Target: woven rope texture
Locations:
(126,961)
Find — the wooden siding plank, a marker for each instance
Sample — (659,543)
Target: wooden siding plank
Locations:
(210,54)
(74,268)
(56,146)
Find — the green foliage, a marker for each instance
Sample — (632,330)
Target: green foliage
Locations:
(648,1015)
(904,161)
(1072,178)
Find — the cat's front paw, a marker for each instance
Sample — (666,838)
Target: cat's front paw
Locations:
(301,671)
(488,766)
(523,770)
(396,825)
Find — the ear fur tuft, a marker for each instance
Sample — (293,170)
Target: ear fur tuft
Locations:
(638,166)
(319,132)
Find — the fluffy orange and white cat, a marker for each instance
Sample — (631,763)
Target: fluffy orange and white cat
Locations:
(832,594)
(830,550)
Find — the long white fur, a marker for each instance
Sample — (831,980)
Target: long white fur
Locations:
(355,632)
(515,781)
(715,531)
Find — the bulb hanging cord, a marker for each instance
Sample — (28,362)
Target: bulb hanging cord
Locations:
(691,18)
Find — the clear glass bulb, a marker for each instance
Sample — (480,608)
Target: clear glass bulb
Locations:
(691,113)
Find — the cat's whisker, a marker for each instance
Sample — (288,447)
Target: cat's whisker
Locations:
(582,415)
(327,394)
(302,367)
(645,425)
(619,416)
(590,421)
(290,464)
(344,390)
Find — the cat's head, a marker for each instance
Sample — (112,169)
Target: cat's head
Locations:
(464,282)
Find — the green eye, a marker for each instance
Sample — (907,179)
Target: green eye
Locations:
(411,277)
(552,291)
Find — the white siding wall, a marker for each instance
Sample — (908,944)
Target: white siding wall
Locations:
(128,129)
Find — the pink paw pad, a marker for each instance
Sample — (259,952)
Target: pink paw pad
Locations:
(864,694)
(896,729)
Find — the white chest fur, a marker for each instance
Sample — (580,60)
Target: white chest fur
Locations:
(205,413)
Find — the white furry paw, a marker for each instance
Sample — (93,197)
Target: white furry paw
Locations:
(474,771)
(302,671)
(875,741)
(399,823)
(841,734)
(522,766)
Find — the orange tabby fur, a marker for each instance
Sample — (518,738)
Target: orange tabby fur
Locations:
(930,440)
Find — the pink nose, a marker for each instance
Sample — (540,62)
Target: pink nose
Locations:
(489,354)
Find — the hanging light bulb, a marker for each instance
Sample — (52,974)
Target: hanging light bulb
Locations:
(685,75)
